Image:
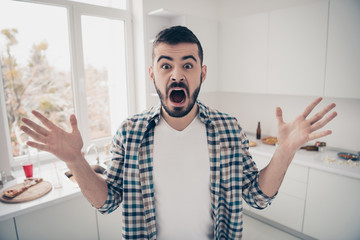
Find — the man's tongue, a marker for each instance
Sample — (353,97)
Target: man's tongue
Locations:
(177,96)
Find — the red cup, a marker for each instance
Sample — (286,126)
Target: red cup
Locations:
(28,169)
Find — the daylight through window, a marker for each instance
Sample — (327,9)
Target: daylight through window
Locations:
(39,71)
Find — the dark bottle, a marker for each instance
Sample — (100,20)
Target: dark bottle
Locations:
(258,131)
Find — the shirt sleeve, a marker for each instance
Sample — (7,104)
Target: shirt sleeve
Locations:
(252,194)
(114,174)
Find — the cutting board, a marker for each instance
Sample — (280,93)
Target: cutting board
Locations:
(32,193)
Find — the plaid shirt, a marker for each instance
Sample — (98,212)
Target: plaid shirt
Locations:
(233,174)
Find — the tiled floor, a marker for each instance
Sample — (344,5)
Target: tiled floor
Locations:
(256,230)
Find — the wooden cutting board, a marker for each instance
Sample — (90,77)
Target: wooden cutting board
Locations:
(32,193)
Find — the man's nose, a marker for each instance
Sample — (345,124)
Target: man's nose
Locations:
(177,75)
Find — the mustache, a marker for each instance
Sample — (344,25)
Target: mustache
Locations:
(177,85)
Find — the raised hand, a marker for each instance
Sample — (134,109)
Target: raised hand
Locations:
(49,137)
(296,133)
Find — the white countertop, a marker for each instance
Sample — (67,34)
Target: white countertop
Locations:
(68,191)
(327,160)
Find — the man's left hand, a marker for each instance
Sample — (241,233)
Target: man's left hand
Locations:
(302,129)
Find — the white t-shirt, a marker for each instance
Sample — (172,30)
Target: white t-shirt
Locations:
(181,173)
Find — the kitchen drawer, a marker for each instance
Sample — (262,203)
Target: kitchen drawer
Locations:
(285,210)
(293,188)
(294,171)
(297,172)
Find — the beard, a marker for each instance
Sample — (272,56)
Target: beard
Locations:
(178,112)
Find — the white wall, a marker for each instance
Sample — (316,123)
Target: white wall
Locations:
(252,108)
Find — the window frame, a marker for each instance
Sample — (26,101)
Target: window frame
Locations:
(75,10)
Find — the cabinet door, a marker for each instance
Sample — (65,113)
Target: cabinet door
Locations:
(285,210)
(244,53)
(297,49)
(288,207)
(73,219)
(206,30)
(332,206)
(343,58)
(7,230)
(110,225)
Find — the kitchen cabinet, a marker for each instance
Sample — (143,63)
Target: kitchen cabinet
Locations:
(343,54)
(72,219)
(332,206)
(297,49)
(208,37)
(110,225)
(244,53)
(7,230)
(288,207)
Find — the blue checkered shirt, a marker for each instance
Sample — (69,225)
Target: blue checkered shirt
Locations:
(233,174)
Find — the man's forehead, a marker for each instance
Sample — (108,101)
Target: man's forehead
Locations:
(176,50)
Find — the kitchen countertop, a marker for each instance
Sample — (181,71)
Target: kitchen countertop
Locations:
(68,191)
(327,160)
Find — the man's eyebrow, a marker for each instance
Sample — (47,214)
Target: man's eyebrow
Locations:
(165,57)
(189,56)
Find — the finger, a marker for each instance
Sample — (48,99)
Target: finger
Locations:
(311,107)
(321,114)
(38,146)
(73,122)
(279,116)
(316,135)
(322,123)
(35,127)
(44,120)
(33,134)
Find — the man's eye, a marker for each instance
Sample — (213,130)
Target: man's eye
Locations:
(188,66)
(166,66)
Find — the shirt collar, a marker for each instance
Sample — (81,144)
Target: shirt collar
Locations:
(154,115)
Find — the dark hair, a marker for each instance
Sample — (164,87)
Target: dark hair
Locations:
(175,35)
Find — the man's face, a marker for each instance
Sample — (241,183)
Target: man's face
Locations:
(177,75)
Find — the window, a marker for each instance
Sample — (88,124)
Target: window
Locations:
(58,59)
(104,59)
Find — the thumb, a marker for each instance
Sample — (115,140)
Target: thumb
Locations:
(279,116)
(73,122)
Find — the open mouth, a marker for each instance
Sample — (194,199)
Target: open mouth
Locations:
(177,96)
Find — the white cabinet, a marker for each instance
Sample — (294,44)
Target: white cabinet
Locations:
(244,54)
(297,49)
(7,230)
(206,30)
(72,219)
(332,206)
(288,206)
(110,225)
(343,55)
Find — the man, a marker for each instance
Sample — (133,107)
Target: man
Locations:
(181,169)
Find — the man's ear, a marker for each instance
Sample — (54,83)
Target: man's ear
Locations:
(151,73)
(203,73)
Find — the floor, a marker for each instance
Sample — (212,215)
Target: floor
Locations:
(256,230)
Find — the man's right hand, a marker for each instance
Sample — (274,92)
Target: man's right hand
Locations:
(51,138)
